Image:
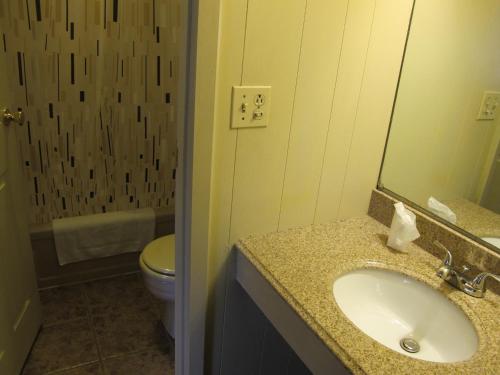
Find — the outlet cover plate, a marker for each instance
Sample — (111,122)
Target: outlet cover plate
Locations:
(489,106)
(250,106)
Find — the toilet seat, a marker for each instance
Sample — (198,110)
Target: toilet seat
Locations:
(159,255)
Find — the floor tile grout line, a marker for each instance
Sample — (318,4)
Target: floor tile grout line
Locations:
(92,328)
(126,354)
(61,325)
(91,280)
(63,322)
(62,370)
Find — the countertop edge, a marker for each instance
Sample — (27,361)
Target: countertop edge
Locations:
(315,327)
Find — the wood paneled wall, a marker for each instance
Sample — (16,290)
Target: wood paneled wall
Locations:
(333,67)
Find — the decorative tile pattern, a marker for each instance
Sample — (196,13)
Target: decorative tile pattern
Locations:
(120,333)
(97,82)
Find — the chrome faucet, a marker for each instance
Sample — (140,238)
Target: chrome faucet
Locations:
(474,287)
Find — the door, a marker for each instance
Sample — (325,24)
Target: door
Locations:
(20,314)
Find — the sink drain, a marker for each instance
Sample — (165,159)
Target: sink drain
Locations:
(409,345)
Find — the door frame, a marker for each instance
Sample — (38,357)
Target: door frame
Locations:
(198,39)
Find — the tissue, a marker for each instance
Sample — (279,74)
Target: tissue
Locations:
(441,210)
(403,228)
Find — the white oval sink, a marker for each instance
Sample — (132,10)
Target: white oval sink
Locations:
(390,307)
(495,241)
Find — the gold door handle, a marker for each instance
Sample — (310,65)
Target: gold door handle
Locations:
(8,117)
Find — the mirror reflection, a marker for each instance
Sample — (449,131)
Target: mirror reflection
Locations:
(443,148)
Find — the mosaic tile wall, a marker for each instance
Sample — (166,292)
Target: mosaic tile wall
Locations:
(97,82)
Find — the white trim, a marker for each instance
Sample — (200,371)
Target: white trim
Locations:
(181,229)
(196,107)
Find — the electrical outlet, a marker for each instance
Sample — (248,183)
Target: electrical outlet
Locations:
(489,106)
(251,106)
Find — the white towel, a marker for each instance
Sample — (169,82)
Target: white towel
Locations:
(102,235)
(441,210)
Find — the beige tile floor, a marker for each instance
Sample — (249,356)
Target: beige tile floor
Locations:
(104,327)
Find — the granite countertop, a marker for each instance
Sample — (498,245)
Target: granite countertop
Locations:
(302,264)
(475,219)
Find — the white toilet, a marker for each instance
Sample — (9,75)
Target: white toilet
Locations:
(157,263)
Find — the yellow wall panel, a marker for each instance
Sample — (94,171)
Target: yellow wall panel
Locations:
(375,103)
(271,57)
(319,58)
(333,67)
(345,104)
(229,72)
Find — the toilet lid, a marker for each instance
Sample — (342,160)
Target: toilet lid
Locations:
(159,255)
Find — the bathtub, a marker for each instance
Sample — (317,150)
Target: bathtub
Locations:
(49,273)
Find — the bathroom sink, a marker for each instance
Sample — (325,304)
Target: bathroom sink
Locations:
(495,241)
(406,315)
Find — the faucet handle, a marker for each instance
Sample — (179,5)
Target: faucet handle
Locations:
(479,281)
(448,260)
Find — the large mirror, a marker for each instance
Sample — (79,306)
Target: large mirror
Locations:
(443,149)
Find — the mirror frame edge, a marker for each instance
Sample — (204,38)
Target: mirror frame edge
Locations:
(403,57)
